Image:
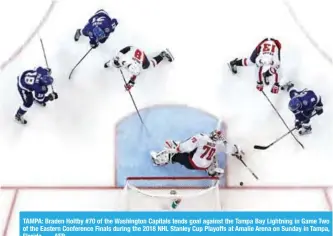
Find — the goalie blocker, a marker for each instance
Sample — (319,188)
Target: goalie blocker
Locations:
(198,152)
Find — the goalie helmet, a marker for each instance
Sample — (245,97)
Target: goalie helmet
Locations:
(216,135)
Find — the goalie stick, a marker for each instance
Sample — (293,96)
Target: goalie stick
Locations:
(246,166)
(249,169)
(277,140)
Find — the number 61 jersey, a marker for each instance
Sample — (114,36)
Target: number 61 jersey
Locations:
(205,149)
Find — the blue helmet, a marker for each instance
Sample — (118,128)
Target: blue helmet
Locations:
(98,33)
(46,80)
(295,104)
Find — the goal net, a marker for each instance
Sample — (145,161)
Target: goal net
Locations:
(171,193)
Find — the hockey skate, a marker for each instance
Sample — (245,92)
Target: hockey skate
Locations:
(287,86)
(77,35)
(232,66)
(19,118)
(305,130)
(167,54)
(107,64)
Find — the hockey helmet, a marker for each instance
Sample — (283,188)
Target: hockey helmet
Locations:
(295,104)
(216,135)
(98,33)
(46,80)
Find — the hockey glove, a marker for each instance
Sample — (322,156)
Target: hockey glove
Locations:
(260,85)
(51,97)
(238,152)
(93,45)
(129,85)
(298,124)
(275,88)
(319,111)
(49,71)
(116,63)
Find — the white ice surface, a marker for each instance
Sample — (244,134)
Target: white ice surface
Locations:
(71,141)
(19,19)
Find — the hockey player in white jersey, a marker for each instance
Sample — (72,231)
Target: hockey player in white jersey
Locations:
(198,152)
(267,57)
(135,60)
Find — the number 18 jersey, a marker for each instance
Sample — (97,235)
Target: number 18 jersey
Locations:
(205,148)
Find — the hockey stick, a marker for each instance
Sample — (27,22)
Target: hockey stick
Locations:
(249,169)
(282,120)
(136,108)
(277,140)
(70,75)
(45,58)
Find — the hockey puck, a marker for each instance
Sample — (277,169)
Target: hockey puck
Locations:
(241,183)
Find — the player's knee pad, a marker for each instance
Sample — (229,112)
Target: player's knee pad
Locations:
(28,104)
(85,30)
(28,100)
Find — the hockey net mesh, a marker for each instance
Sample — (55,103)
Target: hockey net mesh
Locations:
(159,193)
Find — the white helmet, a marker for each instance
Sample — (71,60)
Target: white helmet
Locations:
(134,68)
(216,135)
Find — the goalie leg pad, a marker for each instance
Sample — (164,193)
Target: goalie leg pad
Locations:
(161,158)
(170,144)
(214,170)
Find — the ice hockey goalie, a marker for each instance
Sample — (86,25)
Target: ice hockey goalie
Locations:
(198,152)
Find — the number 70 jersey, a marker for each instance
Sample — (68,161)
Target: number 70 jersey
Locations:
(205,148)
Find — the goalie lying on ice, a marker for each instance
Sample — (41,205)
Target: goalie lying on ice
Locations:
(198,152)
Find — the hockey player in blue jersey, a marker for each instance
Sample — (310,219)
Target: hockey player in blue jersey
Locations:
(33,86)
(303,104)
(98,29)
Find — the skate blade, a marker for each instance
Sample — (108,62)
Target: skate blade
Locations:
(172,57)
(231,69)
(21,122)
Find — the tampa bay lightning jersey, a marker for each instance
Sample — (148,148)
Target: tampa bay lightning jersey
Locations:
(103,21)
(29,81)
(310,102)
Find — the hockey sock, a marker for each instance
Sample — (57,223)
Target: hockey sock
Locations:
(156,60)
(20,112)
(239,62)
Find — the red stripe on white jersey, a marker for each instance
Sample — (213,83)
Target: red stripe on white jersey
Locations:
(260,74)
(245,62)
(194,165)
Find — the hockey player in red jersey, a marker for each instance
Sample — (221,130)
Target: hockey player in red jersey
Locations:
(267,57)
(135,60)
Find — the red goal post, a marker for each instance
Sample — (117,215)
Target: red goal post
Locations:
(171,193)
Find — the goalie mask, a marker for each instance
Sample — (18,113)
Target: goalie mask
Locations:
(216,135)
